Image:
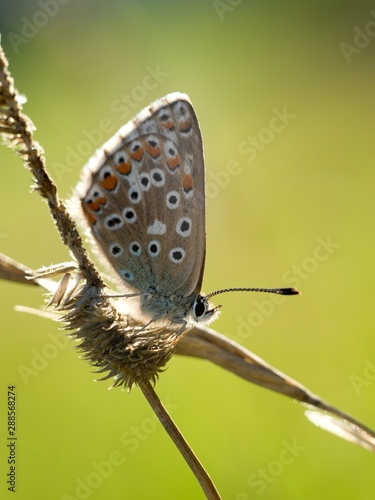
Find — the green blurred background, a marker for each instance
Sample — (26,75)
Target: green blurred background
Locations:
(309,181)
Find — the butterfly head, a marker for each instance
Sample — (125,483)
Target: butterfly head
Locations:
(203,311)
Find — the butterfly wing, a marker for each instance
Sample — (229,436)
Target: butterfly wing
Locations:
(143,197)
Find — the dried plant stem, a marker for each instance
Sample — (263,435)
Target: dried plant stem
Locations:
(17,131)
(204,479)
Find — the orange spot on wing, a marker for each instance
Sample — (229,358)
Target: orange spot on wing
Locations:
(185,127)
(90,218)
(174,162)
(169,125)
(88,213)
(187,183)
(109,182)
(94,205)
(137,154)
(153,151)
(101,200)
(124,168)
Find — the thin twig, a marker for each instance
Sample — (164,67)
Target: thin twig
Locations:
(204,479)
(202,342)
(17,132)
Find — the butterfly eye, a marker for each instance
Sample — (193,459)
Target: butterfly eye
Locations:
(199,307)
(202,310)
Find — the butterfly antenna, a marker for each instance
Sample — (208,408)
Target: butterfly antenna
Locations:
(280,291)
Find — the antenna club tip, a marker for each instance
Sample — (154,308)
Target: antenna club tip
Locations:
(290,291)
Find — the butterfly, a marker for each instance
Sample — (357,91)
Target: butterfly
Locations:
(142,196)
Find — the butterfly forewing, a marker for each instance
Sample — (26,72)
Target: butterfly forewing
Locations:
(143,197)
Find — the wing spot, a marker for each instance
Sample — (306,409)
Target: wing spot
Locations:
(109,181)
(122,162)
(173,199)
(116,250)
(136,151)
(153,148)
(183,227)
(183,116)
(96,204)
(113,222)
(173,158)
(135,248)
(129,215)
(187,184)
(145,181)
(177,255)
(127,275)
(154,248)
(166,121)
(134,195)
(157,227)
(157,177)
